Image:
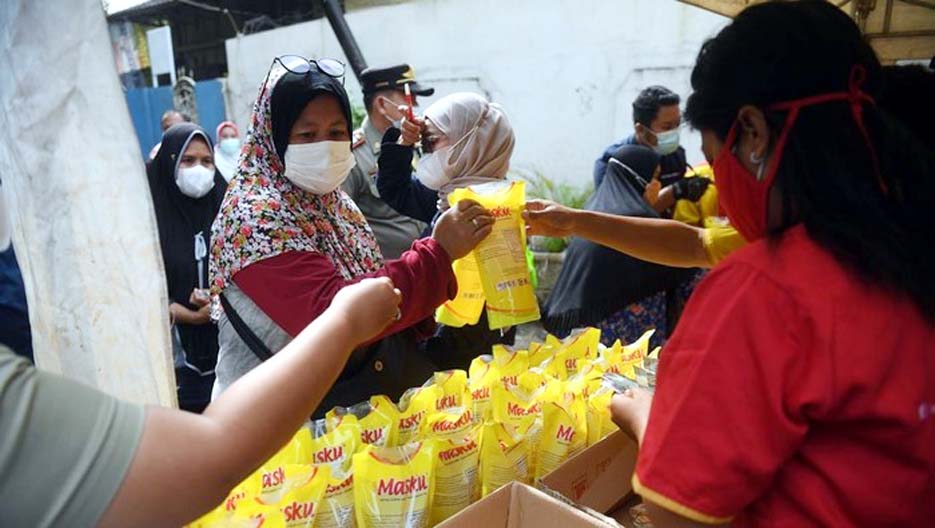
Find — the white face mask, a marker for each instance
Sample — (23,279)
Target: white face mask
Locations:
(195,181)
(666,142)
(6,227)
(230,146)
(431,169)
(319,167)
(384,102)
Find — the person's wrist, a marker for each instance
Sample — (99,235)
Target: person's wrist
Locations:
(340,323)
(390,136)
(177,313)
(442,249)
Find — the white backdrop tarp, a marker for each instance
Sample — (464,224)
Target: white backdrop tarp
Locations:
(83,226)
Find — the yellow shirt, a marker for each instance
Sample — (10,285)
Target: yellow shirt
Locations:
(719,237)
(720,241)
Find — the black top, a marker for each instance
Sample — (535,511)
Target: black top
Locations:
(398,187)
(290,95)
(180,218)
(597,281)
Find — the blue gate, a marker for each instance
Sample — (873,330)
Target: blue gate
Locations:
(148,104)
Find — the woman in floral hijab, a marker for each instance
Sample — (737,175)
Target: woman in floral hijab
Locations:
(288,239)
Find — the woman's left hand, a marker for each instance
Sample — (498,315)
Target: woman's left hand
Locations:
(460,228)
(630,411)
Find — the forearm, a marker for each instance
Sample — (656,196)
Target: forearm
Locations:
(656,240)
(181,314)
(666,199)
(209,454)
(396,185)
(279,395)
(406,195)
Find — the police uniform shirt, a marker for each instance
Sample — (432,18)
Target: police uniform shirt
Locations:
(394,232)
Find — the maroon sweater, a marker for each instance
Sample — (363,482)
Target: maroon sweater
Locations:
(294,288)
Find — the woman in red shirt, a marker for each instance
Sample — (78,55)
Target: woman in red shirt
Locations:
(799,387)
(287,239)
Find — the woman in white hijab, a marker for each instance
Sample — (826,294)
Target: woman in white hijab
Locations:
(227,149)
(466,140)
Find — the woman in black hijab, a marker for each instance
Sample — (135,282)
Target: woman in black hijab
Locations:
(599,286)
(187,192)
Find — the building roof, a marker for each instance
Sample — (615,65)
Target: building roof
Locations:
(148,8)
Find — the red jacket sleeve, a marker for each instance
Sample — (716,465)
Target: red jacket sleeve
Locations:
(296,287)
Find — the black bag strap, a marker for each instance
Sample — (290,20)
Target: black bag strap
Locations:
(253,342)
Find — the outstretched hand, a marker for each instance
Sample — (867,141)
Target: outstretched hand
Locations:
(547,218)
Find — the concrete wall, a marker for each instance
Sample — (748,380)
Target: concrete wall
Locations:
(566,71)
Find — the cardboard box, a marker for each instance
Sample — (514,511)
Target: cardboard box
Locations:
(594,482)
(517,505)
(598,477)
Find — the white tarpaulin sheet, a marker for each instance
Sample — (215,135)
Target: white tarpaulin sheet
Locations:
(83,226)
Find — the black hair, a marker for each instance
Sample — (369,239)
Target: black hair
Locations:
(647,103)
(876,223)
(292,93)
(906,90)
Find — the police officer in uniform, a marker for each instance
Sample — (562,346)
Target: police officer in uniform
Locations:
(383,93)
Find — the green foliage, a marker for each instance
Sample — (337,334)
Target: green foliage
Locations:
(554,245)
(540,186)
(358,113)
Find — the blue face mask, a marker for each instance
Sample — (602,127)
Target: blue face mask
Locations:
(666,142)
(230,146)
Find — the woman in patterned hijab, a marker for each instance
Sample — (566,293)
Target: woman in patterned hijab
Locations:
(288,238)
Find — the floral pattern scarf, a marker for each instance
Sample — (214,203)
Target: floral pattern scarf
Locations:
(264,215)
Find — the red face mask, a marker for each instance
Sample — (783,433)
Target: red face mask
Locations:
(743,195)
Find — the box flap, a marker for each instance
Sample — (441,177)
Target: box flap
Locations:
(517,505)
(530,508)
(491,512)
(598,477)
